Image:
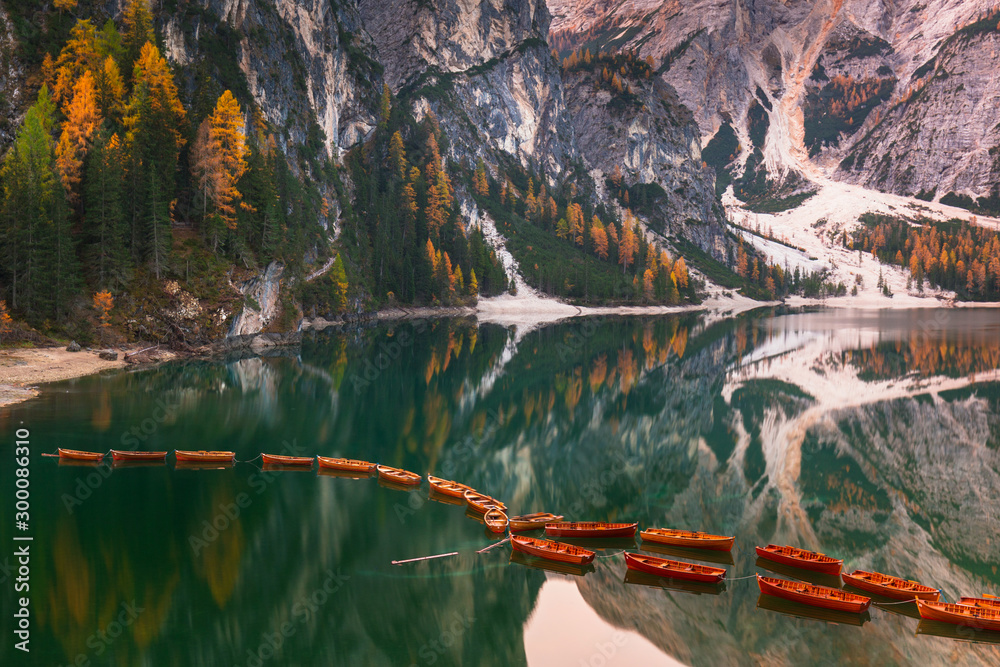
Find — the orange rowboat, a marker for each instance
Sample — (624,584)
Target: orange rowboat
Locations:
(348,465)
(77,455)
(446,488)
(817,596)
(674,569)
(988,602)
(590,529)
(296,461)
(496,521)
(398,475)
(203,456)
(890,587)
(549,550)
(534,521)
(688,539)
(979,618)
(482,503)
(119,455)
(800,558)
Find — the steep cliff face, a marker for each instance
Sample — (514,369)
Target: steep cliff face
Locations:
(651,138)
(483,69)
(305,63)
(840,78)
(11,80)
(941,134)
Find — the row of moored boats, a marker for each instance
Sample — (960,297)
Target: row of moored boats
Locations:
(981,613)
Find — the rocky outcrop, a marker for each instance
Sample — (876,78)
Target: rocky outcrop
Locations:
(261,302)
(11,81)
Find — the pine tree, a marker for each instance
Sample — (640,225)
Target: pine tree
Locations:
(397,154)
(228,145)
(39,264)
(600,238)
(629,246)
(110,90)
(385,106)
(137,29)
(473,283)
(104,223)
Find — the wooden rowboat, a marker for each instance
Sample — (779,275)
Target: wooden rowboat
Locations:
(119,455)
(398,475)
(293,461)
(980,618)
(447,488)
(557,551)
(534,521)
(77,455)
(987,602)
(204,456)
(482,503)
(590,529)
(675,569)
(688,539)
(890,587)
(347,465)
(800,558)
(817,596)
(496,521)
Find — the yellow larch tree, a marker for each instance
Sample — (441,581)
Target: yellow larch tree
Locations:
(82,118)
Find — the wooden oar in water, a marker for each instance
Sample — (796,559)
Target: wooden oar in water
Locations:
(492,546)
(415,560)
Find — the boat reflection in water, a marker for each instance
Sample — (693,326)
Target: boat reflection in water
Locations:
(550,565)
(799,610)
(694,587)
(957,632)
(707,555)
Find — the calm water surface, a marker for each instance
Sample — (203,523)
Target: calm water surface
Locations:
(871,437)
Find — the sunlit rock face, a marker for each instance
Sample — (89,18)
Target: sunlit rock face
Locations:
(913,81)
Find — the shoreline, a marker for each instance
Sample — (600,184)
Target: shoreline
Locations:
(22,369)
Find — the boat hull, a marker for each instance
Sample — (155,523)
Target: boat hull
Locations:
(205,457)
(482,503)
(795,591)
(496,521)
(398,476)
(890,589)
(137,456)
(689,540)
(521,524)
(989,603)
(346,465)
(590,530)
(826,567)
(674,569)
(978,618)
(77,455)
(288,461)
(447,488)
(549,550)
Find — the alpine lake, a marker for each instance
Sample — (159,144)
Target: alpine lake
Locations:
(868,436)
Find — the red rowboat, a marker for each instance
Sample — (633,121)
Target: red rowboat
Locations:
(496,521)
(398,475)
(204,456)
(675,569)
(687,538)
(800,558)
(590,529)
(817,596)
(980,618)
(557,551)
(76,455)
(349,465)
(534,521)
(297,461)
(890,587)
(119,455)
(444,487)
(482,503)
